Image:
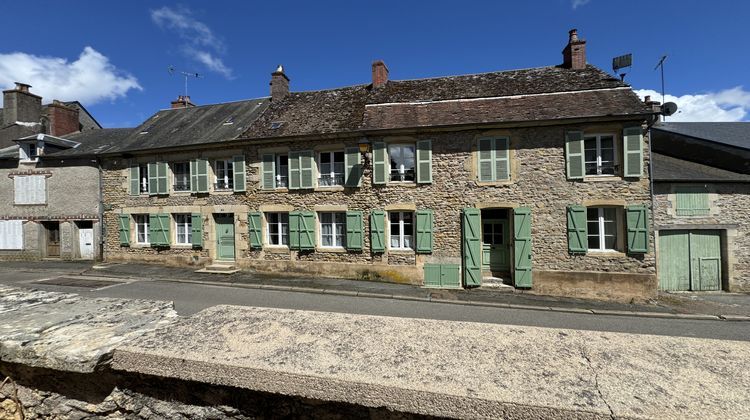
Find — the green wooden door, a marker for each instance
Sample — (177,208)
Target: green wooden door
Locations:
(224,236)
(495,248)
(689,260)
(442,276)
(522,247)
(471,244)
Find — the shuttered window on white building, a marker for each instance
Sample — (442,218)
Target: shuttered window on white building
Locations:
(11,234)
(31,189)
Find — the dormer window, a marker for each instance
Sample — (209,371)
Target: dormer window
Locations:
(29,152)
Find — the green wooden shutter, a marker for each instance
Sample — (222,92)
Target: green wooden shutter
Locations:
(637,224)
(201,166)
(306,230)
(379,163)
(193,176)
(574,158)
(268,179)
(471,239)
(633,152)
(486,165)
(162,178)
(158,230)
(354,230)
(254,230)
(135,180)
(306,169)
(424,231)
(196,228)
(424,162)
(352,167)
(377,231)
(153,188)
(239,175)
(294,171)
(124,228)
(165,225)
(502,159)
(691,201)
(577,230)
(522,246)
(294,229)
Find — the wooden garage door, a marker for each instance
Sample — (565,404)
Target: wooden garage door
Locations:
(689,260)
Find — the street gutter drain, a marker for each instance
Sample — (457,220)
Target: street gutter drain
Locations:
(78,282)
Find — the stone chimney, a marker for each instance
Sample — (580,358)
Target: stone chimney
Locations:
(379,73)
(574,54)
(654,105)
(182,101)
(63,119)
(279,84)
(21,105)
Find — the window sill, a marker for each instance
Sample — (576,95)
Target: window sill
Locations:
(606,254)
(137,245)
(602,178)
(276,249)
(30,204)
(407,184)
(275,190)
(331,188)
(402,251)
(331,249)
(181,246)
(494,183)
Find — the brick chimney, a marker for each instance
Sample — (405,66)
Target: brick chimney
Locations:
(182,102)
(63,119)
(379,73)
(574,54)
(21,105)
(279,84)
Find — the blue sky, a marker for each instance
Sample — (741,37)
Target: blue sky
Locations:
(113,56)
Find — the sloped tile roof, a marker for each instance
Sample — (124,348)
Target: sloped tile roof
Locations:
(672,169)
(93,142)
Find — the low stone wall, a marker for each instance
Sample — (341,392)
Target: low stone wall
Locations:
(621,287)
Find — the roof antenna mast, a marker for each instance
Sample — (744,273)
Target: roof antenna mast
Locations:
(660,65)
(186,75)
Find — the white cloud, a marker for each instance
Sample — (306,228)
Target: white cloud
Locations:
(578,3)
(199,41)
(89,79)
(726,105)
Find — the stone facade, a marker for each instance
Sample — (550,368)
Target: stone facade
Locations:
(538,181)
(72,201)
(728,203)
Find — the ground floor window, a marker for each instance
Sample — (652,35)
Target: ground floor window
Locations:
(11,234)
(183,229)
(278,228)
(402,229)
(332,229)
(141,228)
(602,228)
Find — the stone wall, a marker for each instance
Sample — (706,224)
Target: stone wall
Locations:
(538,181)
(728,212)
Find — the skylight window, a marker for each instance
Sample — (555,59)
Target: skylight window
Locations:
(145,131)
(276,125)
(229,121)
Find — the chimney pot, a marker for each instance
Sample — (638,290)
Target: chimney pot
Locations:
(379,73)
(182,101)
(574,54)
(22,87)
(279,84)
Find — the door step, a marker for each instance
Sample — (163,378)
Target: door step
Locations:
(497,284)
(219,268)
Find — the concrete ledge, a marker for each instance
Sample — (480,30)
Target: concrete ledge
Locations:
(450,369)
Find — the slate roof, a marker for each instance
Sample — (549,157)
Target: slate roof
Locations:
(735,134)
(95,141)
(672,169)
(518,95)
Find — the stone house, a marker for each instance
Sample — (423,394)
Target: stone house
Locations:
(534,177)
(49,198)
(701,196)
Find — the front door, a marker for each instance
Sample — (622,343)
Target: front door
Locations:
(86,243)
(689,260)
(53,238)
(495,248)
(224,236)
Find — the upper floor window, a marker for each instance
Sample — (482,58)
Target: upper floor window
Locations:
(600,154)
(181,172)
(143,178)
(281,173)
(30,189)
(331,168)
(602,228)
(402,162)
(278,228)
(28,152)
(402,230)
(183,229)
(333,229)
(224,175)
(691,201)
(141,228)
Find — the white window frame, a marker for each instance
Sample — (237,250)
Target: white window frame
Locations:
(334,224)
(186,179)
(141,227)
(281,226)
(601,227)
(401,237)
(599,162)
(143,175)
(402,168)
(331,178)
(281,177)
(226,181)
(183,221)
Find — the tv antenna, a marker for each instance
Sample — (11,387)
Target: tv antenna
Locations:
(622,62)
(660,65)
(186,75)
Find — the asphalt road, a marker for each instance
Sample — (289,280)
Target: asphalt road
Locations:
(191,298)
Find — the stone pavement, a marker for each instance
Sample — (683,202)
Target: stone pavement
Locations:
(452,369)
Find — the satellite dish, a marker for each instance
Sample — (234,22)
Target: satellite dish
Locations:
(668,108)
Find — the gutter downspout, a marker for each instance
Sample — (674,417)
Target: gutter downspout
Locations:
(101,210)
